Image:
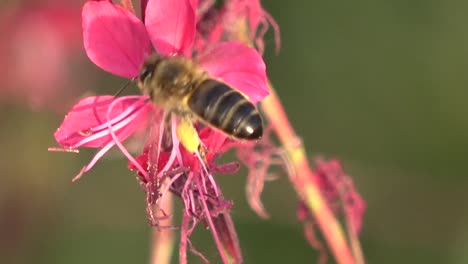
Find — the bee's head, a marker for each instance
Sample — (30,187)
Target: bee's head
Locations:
(164,78)
(148,69)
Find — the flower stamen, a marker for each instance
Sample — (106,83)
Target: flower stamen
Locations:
(95,159)
(68,150)
(117,141)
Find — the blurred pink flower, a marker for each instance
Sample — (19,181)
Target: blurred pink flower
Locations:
(38,42)
(119,42)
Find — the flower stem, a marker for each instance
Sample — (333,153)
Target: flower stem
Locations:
(355,245)
(163,238)
(304,184)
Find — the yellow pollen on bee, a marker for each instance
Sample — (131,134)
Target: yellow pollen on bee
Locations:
(188,135)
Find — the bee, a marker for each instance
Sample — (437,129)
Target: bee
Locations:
(182,87)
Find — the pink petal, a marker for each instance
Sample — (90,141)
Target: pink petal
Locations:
(171,25)
(250,84)
(87,124)
(194,3)
(114,38)
(238,65)
(212,139)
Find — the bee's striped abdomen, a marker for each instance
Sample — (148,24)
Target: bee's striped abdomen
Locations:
(226,109)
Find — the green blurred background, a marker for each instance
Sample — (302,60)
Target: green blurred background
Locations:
(379,84)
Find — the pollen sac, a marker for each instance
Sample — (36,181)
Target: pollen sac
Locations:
(188,136)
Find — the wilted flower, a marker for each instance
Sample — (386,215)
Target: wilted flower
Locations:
(119,42)
(338,190)
(241,20)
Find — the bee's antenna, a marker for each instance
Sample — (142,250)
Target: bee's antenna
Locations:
(124,87)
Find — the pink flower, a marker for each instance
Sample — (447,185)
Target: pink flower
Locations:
(119,42)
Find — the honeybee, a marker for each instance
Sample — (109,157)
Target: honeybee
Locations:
(180,86)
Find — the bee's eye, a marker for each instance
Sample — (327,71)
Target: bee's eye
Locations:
(147,72)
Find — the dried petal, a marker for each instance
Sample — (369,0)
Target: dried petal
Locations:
(258,20)
(228,236)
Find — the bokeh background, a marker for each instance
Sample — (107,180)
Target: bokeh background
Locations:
(380,85)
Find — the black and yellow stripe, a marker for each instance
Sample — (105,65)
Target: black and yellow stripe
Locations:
(226,109)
